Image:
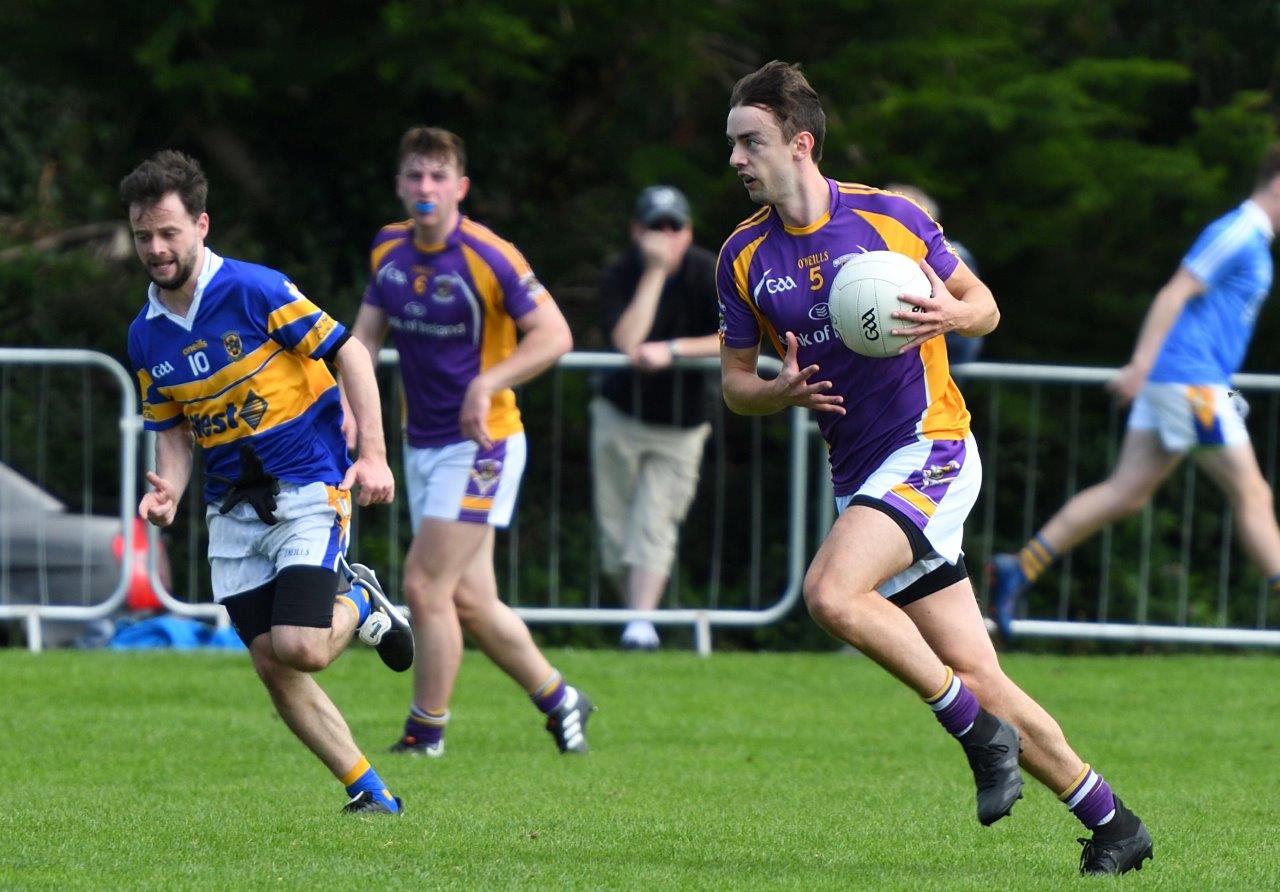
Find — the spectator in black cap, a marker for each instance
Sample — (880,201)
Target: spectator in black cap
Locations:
(658,304)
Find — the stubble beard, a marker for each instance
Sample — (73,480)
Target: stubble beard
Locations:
(186,269)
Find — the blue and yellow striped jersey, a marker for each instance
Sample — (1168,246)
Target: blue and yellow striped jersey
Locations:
(245,365)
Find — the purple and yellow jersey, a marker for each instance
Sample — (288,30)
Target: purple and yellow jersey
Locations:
(772,279)
(244,365)
(451,308)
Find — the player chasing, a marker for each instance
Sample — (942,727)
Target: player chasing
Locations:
(231,355)
(890,578)
(454,295)
(1193,340)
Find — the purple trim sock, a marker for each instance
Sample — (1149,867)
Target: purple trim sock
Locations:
(425,727)
(1090,799)
(954,706)
(550,694)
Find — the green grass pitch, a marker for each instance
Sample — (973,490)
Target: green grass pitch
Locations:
(744,771)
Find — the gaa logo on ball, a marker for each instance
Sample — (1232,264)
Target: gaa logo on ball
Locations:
(864,296)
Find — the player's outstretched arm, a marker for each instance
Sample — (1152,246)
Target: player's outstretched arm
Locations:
(746,393)
(545,338)
(370,471)
(169,480)
(1164,311)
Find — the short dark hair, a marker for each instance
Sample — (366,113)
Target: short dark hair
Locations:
(164,172)
(433,142)
(782,90)
(1269,166)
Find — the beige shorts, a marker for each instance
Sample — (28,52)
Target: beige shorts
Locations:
(645,479)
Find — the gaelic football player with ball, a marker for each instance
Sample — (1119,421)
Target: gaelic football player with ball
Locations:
(890,577)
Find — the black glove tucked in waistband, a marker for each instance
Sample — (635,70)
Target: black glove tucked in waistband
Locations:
(254,485)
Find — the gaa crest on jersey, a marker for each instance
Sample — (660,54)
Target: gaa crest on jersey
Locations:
(485,475)
(232,344)
(444,291)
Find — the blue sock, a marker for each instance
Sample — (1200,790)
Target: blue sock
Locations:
(359,601)
(362,777)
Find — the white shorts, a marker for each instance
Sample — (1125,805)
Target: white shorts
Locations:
(462,482)
(245,553)
(930,487)
(1189,415)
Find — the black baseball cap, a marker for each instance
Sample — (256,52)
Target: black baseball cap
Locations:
(658,204)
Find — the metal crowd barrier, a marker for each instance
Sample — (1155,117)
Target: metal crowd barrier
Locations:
(1039,461)
(554,538)
(1169,575)
(36,436)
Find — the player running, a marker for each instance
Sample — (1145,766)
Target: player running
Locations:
(454,295)
(230,355)
(890,578)
(1193,340)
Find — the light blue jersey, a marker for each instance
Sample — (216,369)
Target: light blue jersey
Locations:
(1232,257)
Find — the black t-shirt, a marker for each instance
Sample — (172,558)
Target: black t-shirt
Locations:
(686,309)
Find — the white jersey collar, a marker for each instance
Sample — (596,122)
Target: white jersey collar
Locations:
(212,263)
(1259,217)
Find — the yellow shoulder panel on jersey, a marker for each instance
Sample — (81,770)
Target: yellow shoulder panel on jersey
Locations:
(380,251)
(155,411)
(896,236)
(504,247)
(741,266)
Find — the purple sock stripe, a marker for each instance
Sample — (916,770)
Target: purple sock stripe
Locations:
(1094,802)
(549,701)
(425,727)
(957,708)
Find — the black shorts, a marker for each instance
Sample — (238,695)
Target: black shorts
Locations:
(933,581)
(298,596)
